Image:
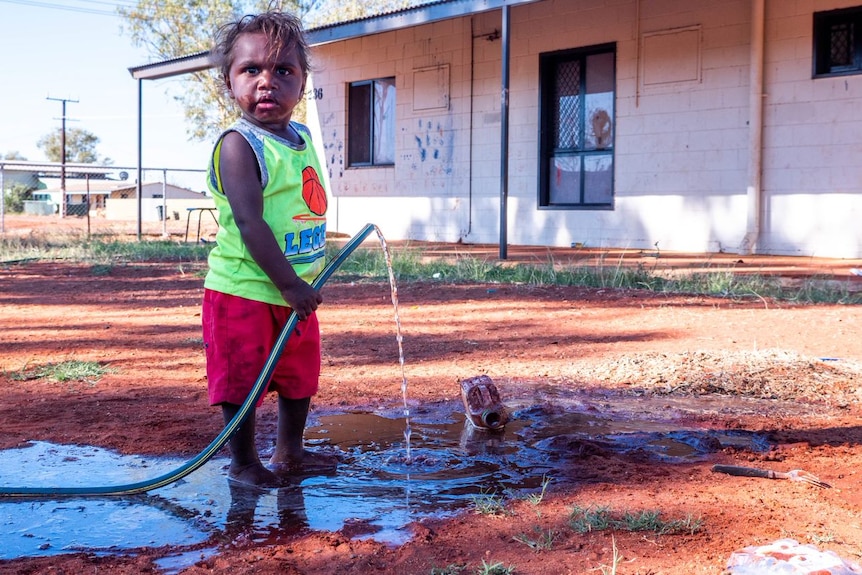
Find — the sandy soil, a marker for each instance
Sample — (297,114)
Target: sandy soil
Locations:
(801,361)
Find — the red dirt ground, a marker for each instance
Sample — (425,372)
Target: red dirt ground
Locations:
(142,320)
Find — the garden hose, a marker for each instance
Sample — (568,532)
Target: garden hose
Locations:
(223,437)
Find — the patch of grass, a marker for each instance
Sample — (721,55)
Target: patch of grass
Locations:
(370,263)
(489,502)
(585,520)
(540,541)
(652,521)
(495,568)
(72,370)
(104,250)
(410,264)
(448,570)
(101,270)
(30,247)
(536,498)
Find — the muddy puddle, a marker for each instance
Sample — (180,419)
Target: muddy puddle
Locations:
(375,492)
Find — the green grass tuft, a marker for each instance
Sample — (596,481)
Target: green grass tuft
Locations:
(411,264)
(489,502)
(585,520)
(494,568)
(540,540)
(72,370)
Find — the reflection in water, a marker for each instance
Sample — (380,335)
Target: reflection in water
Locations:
(244,499)
(376,490)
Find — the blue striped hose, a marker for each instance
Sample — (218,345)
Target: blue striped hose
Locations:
(223,437)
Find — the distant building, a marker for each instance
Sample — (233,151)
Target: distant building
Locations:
(106,197)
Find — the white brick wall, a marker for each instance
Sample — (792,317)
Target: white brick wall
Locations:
(681,150)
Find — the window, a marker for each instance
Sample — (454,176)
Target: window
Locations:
(838,42)
(577,128)
(371,123)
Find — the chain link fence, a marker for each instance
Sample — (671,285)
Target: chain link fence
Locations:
(104,194)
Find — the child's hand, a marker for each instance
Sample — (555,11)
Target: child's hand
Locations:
(303,298)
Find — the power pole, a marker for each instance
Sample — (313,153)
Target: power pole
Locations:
(62,153)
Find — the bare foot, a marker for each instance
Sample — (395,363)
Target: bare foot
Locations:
(307,462)
(254,474)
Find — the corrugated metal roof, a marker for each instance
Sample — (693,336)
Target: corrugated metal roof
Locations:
(394,12)
(415,16)
(173,67)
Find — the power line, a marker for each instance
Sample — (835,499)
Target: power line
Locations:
(104,3)
(68,8)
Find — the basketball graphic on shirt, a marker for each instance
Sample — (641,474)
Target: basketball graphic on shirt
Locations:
(313,192)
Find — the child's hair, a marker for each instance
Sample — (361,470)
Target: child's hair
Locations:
(280,28)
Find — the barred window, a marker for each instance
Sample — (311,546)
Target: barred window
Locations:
(838,42)
(577,122)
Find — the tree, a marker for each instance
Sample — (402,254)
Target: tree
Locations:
(15,196)
(174,28)
(331,11)
(17,187)
(80,147)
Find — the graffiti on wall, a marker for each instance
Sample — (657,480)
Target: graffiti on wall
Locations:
(333,146)
(427,152)
(433,145)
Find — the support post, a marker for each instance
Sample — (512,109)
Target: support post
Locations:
(140,154)
(504,134)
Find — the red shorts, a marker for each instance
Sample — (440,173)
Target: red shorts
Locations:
(238,336)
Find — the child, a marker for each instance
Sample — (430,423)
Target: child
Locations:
(270,244)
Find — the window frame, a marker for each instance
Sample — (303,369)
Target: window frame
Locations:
(822,44)
(369,125)
(549,63)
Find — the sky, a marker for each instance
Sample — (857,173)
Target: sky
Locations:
(74,49)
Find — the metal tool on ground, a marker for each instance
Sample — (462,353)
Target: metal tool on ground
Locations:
(482,403)
(793,475)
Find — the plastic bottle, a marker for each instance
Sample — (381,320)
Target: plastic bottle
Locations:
(482,403)
(788,557)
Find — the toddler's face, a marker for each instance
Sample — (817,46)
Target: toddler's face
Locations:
(266,85)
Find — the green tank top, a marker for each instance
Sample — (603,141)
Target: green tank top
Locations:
(294,207)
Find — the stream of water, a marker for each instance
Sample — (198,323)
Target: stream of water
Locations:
(393,286)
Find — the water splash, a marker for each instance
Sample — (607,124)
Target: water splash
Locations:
(398,336)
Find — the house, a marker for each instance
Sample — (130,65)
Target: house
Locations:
(45,181)
(684,124)
(688,125)
(158,200)
(79,193)
(117,200)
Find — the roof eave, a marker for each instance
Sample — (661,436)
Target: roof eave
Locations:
(332,33)
(175,67)
(403,19)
